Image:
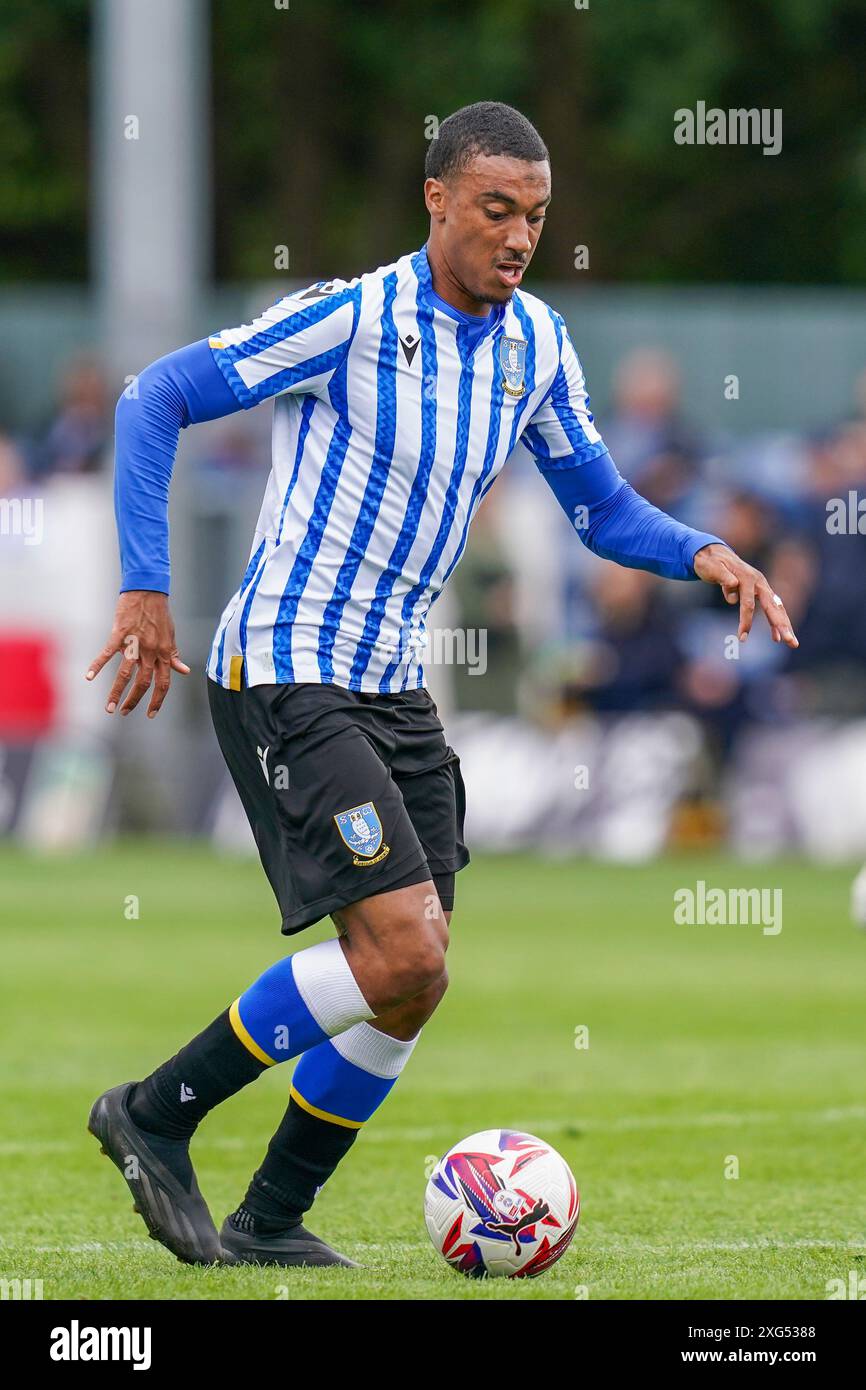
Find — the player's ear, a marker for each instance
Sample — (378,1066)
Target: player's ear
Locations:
(436,197)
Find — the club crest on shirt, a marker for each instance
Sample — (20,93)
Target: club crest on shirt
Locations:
(361,831)
(512,360)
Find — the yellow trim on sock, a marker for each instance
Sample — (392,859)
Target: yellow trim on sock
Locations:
(236,666)
(324,1114)
(249,1042)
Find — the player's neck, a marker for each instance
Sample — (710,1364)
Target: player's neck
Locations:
(449,288)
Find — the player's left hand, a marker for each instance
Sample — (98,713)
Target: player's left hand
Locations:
(143,632)
(743,584)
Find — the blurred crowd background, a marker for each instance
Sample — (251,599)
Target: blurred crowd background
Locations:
(718,313)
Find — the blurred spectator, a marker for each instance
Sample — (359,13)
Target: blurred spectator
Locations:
(833,628)
(12,468)
(650,443)
(484,587)
(231,451)
(78,437)
(633,655)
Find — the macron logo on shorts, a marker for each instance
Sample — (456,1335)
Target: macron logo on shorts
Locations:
(263,759)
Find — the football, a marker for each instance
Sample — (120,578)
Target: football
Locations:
(501,1204)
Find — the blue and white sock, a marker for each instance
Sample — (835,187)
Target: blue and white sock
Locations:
(298,1003)
(345,1079)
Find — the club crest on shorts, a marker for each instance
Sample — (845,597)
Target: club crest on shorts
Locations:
(512,360)
(361,830)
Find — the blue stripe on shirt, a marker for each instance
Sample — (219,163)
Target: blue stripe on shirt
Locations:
(418,491)
(461,448)
(383,450)
(309,548)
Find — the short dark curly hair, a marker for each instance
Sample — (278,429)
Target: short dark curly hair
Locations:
(485,127)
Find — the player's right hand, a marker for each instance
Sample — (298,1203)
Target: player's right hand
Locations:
(144,632)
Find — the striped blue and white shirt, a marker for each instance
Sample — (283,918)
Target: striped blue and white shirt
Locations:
(392,419)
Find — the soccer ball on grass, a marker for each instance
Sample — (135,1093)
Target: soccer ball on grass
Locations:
(501,1203)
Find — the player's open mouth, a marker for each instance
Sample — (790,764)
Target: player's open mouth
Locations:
(510,273)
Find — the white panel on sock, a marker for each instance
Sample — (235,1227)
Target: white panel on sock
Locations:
(328,987)
(373,1051)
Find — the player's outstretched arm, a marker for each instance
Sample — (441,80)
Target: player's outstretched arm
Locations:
(618,524)
(184,388)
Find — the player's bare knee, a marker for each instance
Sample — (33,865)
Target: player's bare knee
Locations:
(431,996)
(435,993)
(419,965)
(416,1012)
(395,943)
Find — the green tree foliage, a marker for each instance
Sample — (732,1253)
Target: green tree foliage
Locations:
(320,115)
(320,109)
(44,75)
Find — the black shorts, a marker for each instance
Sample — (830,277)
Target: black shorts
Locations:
(348,794)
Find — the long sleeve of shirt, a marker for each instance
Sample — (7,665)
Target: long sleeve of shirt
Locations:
(183,388)
(615,522)
(294,344)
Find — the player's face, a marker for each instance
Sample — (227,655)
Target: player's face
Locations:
(486,223)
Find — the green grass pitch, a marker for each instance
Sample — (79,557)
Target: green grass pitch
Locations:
(705,1042)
